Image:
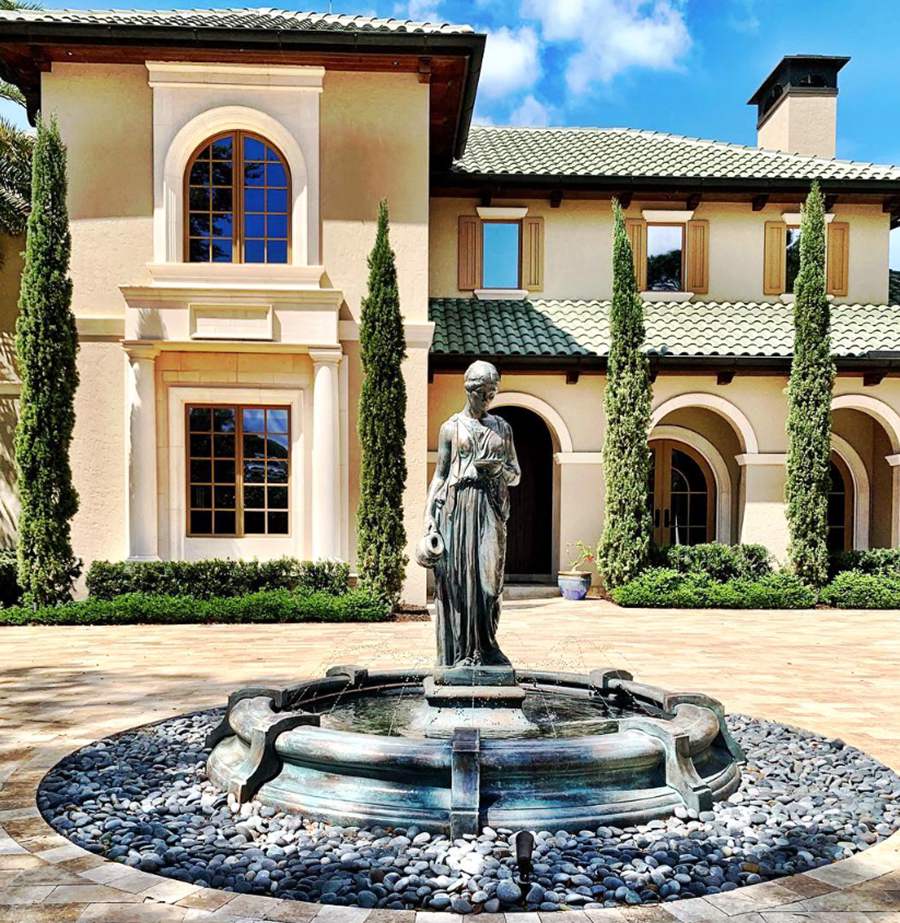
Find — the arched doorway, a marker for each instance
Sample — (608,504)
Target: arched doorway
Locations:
(530,537)
(840,506)
(682,494)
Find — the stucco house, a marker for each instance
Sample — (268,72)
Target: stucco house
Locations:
(225,169)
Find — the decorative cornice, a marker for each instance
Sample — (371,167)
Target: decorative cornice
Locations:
(186,74)
(760,458)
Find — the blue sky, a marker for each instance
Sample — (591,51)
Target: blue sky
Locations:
(685,66)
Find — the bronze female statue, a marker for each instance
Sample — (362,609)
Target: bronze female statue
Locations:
(465,525)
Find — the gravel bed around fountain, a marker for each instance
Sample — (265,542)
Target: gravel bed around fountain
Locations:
(142,798)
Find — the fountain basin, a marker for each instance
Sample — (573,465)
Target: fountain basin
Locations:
(612,752)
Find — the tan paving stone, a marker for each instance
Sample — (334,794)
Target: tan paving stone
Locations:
(805,886)
(132,913)
(27,894)
(43,913)
(169,890)
(89,894)
(210,899)
(696,910)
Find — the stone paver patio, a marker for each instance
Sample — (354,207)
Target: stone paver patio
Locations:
(837,673)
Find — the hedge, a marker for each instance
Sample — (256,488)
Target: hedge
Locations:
(885,561)
(666,588)
(10,591)
(215,577)
(716,560)
(855,590)
(267,606)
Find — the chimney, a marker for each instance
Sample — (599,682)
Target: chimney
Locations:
(797,105)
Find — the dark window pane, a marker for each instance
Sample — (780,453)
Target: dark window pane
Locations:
(254,226)
(254,251)
(205,153)
(225,523)
(198,225)
(792,258)
(224,419)
(664,246)
(254,174)
(224,447)
(198,251)
(254,523)
(276,200)
(254,150)
(221,199)
(221,250)
(254,200)
(199,199)
(277,472)
(200,418)
(223,148)
(201,497)
(254,446)
(277,420)
(276,226)
(201,446)
(254,420)
(698,510)
(277,445)
(501,254)
(224,472)
(222,224)
(221,174)
(255,497)
(276,251)
(278,523)
(225,497)
(275,175)
(254,472)
(201,522)
(199,174)
(278,498)
(201,471)
(679,482)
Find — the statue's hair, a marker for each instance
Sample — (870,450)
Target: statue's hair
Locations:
(480,372)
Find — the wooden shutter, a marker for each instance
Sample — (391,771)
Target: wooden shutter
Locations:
(838,267)
(774,257)
(533,254)
(636,228)
(697,257)
(469,253)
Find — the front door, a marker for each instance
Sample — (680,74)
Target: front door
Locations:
(682,495)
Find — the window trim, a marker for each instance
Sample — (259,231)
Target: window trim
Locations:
(682,272)
(502,288)
(239,533)
(237,200)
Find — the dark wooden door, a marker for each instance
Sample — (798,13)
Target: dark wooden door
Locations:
(530,534)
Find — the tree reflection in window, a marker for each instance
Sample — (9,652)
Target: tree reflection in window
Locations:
(665,246)
(791,258)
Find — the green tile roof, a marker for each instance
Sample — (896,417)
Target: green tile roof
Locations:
(894,286)
(574,328)
(631,154)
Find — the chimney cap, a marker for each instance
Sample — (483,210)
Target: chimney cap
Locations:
(798,71)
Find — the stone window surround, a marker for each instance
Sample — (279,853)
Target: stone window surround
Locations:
(501,213)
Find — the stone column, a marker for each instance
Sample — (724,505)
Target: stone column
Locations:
(894,462)
(764,520)
(140,449)
(326,456)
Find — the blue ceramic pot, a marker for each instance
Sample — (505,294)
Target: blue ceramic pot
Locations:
(574,584)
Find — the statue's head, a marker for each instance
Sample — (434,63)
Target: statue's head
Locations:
(482,382)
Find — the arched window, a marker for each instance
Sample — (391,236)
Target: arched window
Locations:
(237,194)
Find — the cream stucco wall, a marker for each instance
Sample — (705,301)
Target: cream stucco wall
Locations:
(10,272)
(578,248)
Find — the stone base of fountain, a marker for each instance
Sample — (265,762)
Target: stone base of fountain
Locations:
(397,748)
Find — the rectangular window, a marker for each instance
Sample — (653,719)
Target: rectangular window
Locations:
(665,264)
(238,461)
(791,257)
(501,254)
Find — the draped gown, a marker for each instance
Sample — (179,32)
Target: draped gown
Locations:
(472,513)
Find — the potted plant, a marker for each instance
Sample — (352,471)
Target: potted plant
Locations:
(575,582)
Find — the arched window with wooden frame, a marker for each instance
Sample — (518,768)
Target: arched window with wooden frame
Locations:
(237,193)
(840,506)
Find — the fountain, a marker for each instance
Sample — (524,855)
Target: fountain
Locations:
(474,741)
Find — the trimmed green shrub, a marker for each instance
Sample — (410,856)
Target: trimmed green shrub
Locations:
(665,588)
(216,577)
(808,463)
(146,609)
(46,347)
(381,534)
(874,561)
(625,544)
(855,590)
(10,591)
(716,560)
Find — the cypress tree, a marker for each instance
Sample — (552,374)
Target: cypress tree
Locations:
(381,536)
(625,546)
(809,404)
(46,347)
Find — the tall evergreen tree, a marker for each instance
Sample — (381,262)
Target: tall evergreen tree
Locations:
(46,347)
(381,536)
(625,545)
(809,403)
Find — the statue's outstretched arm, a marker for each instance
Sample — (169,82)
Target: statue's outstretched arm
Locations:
(512,473)
(442,469)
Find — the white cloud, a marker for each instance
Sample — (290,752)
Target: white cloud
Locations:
(512,62)
(532,113)
(420,10)
(611,36)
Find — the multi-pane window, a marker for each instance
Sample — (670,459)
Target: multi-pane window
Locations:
(238,461)
(501,254)
(791,257)
(238,195)
(665,249)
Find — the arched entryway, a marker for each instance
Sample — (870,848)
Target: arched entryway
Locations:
(530,538)
(682,494)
